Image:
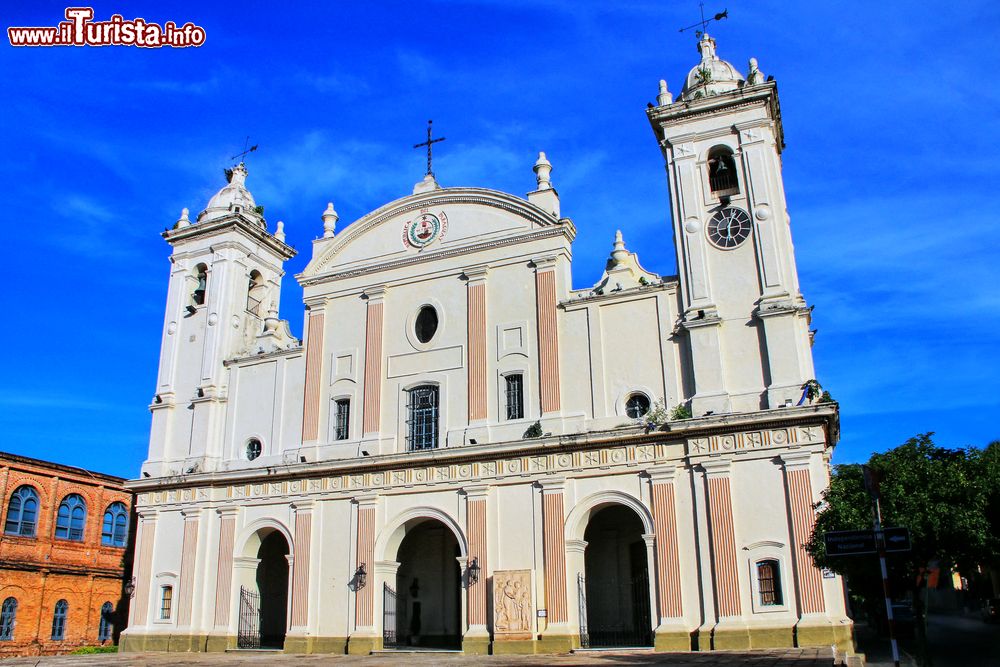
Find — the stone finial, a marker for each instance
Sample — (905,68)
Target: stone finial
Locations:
(664,97)
(279,232)
(183,221)
(330,219)
(619,254)
(543,172)
(237,175)
(706,46)
(754,75)
(427,184)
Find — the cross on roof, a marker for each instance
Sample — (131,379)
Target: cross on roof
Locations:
(724,14)
(246,151)
(429,143)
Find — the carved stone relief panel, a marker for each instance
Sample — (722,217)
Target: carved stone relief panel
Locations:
(513,608)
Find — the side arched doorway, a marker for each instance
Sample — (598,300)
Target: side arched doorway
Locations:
(422,606)
(263,614)
(615,608)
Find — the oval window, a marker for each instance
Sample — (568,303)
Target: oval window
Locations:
(637,405)
(426,324)
(253,449)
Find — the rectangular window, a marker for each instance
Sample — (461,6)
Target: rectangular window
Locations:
(515,396)
(166,599)
(343,429)
(422,424)
(769,583)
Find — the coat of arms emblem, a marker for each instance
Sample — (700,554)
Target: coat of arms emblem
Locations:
(424,229)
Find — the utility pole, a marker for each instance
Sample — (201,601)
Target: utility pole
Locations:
(872,480)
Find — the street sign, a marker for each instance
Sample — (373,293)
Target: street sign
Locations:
(850,542)
(896,539)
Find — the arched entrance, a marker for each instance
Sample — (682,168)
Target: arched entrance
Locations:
(614,588)
(422,607)
(263,613)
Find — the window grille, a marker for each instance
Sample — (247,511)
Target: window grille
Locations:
(769,583)
(637,405)
(114,532)
(8,616)
(107,617)
(422,424)
(515,396)
(166,600)
(71,518)
(59,620)
(22,512)
(343,424)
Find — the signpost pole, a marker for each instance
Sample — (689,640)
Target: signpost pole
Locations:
(871,481)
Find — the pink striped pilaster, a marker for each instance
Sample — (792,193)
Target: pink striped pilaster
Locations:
(300,564)
(720,518)
(371,417)
(314,374)
(802,516)
(476,290)
(147,535)
(668,569)
(364,610)
(224,574)
(554,547)
(476,520)
(548,334)
(189,553)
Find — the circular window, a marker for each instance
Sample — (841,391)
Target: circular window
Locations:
(637,405)
(253,449)
(426,324)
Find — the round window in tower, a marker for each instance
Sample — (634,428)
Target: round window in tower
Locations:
(637,405)
(426,324)
(253,449)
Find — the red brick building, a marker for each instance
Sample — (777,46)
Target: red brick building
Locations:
(65,545)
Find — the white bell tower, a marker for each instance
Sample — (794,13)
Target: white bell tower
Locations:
(223,296)
(746,321)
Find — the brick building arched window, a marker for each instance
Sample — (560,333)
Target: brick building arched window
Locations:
(59,620)
(107,622)
(22,512)
(71,518)
(8,616)
(115,530)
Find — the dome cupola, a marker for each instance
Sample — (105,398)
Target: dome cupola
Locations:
(712,75)
(233,198)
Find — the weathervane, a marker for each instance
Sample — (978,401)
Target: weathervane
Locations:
(246,151)
(428,143)
(724,14)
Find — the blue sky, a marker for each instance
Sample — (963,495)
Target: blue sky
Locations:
(890,113)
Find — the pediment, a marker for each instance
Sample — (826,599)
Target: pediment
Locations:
(426,224)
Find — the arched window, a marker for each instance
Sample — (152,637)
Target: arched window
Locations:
(8,616)
(422,409)
(769,583)
(59,620)
(201,285)
(255,294)
(71,518)
(22,512)
(107,622)
(637,405)
(114,533)
(722,177)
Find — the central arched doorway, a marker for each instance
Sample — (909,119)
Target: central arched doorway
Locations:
(423,606)
(614,589)
(263,619)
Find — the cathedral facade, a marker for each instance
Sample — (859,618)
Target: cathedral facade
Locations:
(464,452)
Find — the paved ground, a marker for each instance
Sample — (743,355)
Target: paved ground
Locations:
(779,658)
(953,640)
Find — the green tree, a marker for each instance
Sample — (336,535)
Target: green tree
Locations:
(943,496)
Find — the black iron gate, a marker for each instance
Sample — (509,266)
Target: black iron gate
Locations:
(390,618)
(248,635)
(620,632)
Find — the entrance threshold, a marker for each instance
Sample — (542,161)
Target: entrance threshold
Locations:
(255,650)
(614,649)
(415,649)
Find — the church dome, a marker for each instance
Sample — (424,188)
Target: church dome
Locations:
(233,198)
(712,75)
